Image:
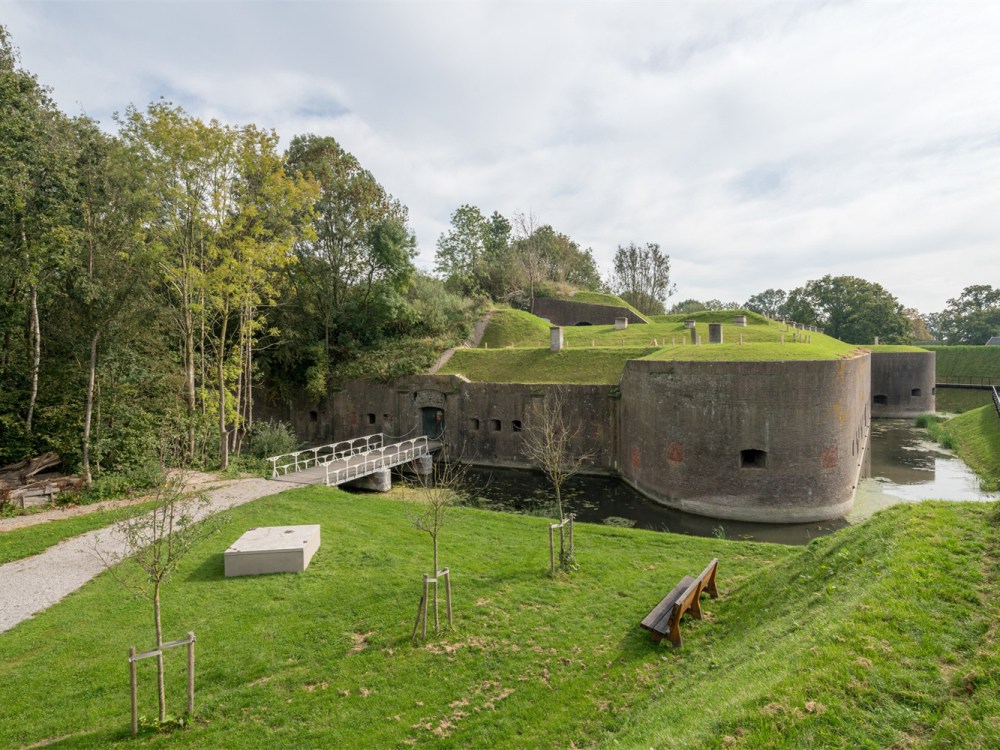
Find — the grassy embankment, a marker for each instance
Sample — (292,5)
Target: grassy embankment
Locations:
(515,347)
(883,634)
(964,361)
(975,436)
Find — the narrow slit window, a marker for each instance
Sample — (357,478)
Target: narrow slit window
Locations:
(517,425)
(371,419)
(314,416)
(915,392)
(752,458)
(473,424)
(881,399)
(495,424)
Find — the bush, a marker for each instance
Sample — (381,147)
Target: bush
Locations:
(107,486)
(266,439)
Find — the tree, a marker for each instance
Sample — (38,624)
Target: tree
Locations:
(918,326)
(641,277)
(460,250)
(768,303)
(551,442)
(850,309)
(153,545)
(687,306)
(972,317)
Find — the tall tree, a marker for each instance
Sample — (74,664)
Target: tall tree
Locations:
(850,309)
(36,198)
(972,317)
(769,303)
(641,276)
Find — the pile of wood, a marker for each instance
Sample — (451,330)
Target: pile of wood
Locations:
(23,483)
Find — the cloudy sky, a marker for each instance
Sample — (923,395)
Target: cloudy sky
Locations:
(760,144)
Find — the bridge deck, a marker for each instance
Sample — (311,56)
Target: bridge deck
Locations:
(335,468)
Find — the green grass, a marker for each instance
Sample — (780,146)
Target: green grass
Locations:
(959,400)
(895,348)
(976,361)
(26,541)
(597,354)
(863,639)
(977,437)
(510,327)
(542,366)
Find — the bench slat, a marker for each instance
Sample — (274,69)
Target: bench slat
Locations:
(665,609)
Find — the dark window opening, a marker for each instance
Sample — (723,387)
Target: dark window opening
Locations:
(495,425)
(934,391)
(753,459)
(584,323)
(517,425)
(371,419)
(880,399)
(473,424)
(314,416)
(915,392)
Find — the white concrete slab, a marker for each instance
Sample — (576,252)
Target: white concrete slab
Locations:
(272,549)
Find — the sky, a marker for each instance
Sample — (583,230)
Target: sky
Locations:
(760,144)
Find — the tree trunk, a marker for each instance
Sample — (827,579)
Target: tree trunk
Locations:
(36,355)
(89,410)
(161,694)
(223,435)
(189,377)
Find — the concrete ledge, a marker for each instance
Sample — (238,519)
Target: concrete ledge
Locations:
(272,549)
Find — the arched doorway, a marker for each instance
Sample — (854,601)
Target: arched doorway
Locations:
(432,422)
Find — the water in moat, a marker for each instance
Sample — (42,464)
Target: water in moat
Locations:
(904,466)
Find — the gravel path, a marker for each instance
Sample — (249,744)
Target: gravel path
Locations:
(36,583)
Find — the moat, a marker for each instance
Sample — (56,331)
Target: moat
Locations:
(903,466)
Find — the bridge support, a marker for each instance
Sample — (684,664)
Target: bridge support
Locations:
(378,481)
(422,465)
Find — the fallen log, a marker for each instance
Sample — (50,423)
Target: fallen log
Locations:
(21,471)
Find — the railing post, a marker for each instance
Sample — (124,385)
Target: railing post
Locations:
(135,691)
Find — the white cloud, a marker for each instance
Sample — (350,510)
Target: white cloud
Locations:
(762,144)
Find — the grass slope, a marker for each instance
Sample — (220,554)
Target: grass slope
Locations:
(542,365)
(976,435)
(976,361)
(882,634)
(510,327)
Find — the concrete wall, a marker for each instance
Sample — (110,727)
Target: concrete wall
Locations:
(903,384)
(684,426)
(563,312)
(677,432)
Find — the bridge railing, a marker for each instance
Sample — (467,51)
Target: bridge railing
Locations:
(379,458)
(967,380)
(323,454)
(996,400)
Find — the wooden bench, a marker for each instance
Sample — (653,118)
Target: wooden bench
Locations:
(665,618)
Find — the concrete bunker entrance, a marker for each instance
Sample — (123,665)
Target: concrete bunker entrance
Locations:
(432,422)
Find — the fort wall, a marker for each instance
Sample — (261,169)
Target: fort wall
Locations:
(903,384)
(755,441)
(563,312)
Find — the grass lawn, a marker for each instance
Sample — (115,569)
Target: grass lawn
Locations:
(882,634)
(959,400)
(603,365)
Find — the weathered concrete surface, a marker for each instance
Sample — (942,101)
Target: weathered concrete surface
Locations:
(686,425)
(272,549)
(564,312)
(903,384)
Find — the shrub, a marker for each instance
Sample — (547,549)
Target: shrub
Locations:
(270,438)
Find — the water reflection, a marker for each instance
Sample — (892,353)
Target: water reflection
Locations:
(903,466)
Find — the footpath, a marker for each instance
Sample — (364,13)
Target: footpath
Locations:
(36,583)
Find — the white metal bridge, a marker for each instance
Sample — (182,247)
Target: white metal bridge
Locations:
(347,460)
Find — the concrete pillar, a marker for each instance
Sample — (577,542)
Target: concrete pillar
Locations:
(715,333)
(689,324)
(556,338)
(740,321)
(621,324)
(422,465)
(694,334)
(380,481)
(876,341)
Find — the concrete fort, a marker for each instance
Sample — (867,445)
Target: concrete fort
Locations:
(770,441)
(903,383)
